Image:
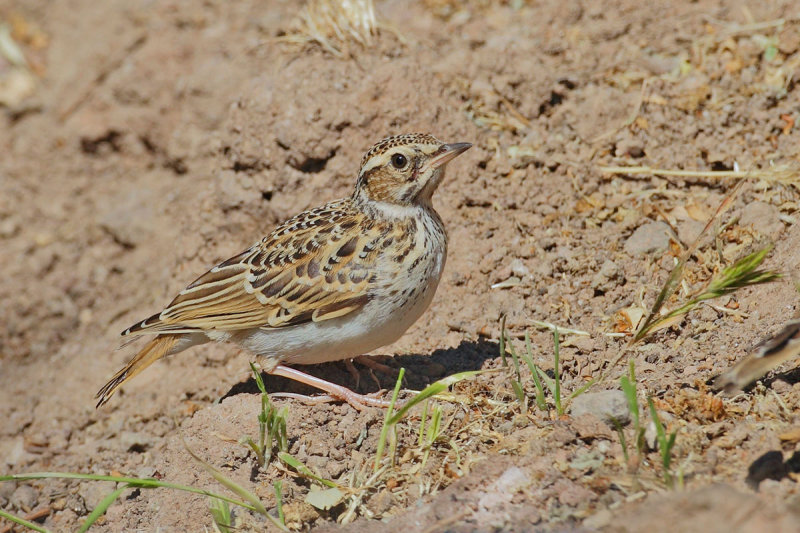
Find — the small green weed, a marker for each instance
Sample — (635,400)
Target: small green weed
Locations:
(628,385)
(279,501)
(665,442)
(743,273)
(429,434)
(542,381)
(272,434)
(221,513)
(249,500)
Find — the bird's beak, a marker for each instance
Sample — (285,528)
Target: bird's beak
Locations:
(448,152)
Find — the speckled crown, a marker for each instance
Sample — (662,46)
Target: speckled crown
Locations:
(399,140)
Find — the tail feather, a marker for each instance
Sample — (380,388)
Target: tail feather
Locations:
(152,352)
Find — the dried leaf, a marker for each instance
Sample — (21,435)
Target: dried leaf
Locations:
(324,499)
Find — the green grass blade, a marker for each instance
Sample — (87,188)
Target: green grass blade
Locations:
(422,421)
(21,521)
(519,392)
(431,390)
(665,443)
(660,434)
(434,430)
(503,340)
(230,484)
(628,385)
(143,483)
(101,508)
(259,379)
(527,356)
(547,380)
(304,470)
(221,513)
(673,281)
(514,357)
(279,501)
(386,423)
(557,372)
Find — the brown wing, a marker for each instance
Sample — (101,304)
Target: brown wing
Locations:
(316,266)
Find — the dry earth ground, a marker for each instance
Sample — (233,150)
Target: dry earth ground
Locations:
(144,141)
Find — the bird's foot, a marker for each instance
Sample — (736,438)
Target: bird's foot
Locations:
(334,392)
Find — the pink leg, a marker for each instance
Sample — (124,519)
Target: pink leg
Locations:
(359,401)
(373,364)
(348,364)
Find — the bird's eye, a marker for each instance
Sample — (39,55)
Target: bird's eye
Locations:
(399,161)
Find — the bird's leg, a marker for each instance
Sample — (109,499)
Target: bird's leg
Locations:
(358,401)
(373,364)
(348,364)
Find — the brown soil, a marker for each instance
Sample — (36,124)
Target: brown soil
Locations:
(162,137)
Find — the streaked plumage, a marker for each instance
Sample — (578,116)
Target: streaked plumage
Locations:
(330,283)
(767,355)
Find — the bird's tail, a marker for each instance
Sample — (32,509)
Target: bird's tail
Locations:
(152,352)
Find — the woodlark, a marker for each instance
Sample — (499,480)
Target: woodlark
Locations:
(331,283)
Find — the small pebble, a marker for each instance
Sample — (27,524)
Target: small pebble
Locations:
(648,238)
(606,405)
(25,498)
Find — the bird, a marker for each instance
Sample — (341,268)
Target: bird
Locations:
(328,284)
(768,354)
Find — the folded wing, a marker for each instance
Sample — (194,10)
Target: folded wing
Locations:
(316,266)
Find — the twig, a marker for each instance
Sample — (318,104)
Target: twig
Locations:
(552,327)
(30,517)
(780,175)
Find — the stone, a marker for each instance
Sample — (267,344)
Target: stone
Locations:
(135,442)
(590,427)
(129,220)
(603,279)
(648,238)
(6,491)
(606,405)
(629,148)
(25,498)
(572,494)
(763,217)
(519,269)
(93,492)
(689,230)
(598,520)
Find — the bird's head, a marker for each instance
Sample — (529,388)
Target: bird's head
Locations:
(405,169)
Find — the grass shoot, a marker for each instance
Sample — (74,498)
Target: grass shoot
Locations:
(272,434)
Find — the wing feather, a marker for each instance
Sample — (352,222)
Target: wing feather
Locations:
(311,268)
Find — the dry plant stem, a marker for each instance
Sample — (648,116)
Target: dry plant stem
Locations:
(672,282)
(780,175)
(26,522)
(677,272)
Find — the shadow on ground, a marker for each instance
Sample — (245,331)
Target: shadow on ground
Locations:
(421,371)
(772,466)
